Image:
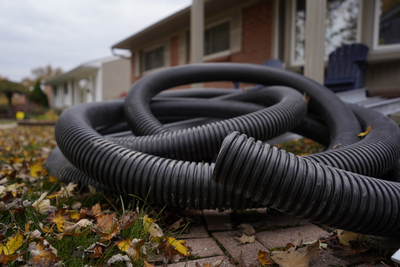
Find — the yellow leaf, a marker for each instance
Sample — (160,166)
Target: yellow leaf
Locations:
(124,245)
(265,257)
(53,179)
(151,227)
(131,247)
(12,244)
(345,237)
(366,132)
(36,169)
(178,246)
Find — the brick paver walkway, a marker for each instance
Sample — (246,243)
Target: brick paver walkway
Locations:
(211,238)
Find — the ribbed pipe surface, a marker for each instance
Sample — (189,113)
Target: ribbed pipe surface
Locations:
(173,168)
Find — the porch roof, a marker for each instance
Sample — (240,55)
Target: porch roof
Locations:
(173,23)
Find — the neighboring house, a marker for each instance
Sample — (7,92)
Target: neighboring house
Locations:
(97,80)
(254,31)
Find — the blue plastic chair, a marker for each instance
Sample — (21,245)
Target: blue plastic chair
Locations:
(347,67)
(275,63)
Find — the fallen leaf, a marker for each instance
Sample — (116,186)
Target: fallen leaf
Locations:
(214,264)
(176,224)
(178,246)
(78,229)
(366,132)
(43,254)
(293,258)
(146,264)
(127,220)
(106,222)
(59,217)
(53,179)
(119,258)
(12,244)
(132,247)
(150,226)
(299,240)
(245,239)
(65,191)
(4,259)
(37,169)
(96,250)
(43,205)
(345,237)
(247,229)
(265,257)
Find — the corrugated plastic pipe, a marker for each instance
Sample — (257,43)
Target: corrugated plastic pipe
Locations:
(306,189)
(257,174)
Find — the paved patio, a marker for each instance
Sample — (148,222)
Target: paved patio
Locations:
(210,235)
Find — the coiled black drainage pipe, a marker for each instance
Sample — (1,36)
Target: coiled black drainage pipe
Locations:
(330,196)
(307,189)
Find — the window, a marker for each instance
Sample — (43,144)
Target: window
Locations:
(154,58)
(65,88)
(387,24)
(341,26)
(216,38)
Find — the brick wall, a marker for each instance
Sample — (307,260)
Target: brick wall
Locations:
(257,24)
(257,34)
(175,51)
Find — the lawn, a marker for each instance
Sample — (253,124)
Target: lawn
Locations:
(47,223)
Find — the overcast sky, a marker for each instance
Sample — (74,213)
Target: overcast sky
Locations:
(67,33)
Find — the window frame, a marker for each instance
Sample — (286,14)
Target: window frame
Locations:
(299,63)
(223,53)
(375,36)
(143,57)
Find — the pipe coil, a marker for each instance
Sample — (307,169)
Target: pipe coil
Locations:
(335,187)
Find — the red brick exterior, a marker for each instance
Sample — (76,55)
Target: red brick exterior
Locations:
(257,25)
(175,51)
(257,34)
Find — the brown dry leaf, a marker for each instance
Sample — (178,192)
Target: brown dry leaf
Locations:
(45,258)
(127,220)
(247,229)
(93,213)
(176,224)
(293,258)
(265,257)
(345,237)
(245,239)
(78,229)
(43,254)
(96,250)
(214,264)
(106,223)
(146,264)
(299,240)
(9,258)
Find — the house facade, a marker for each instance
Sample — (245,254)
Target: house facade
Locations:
(98,80)
(255,31)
